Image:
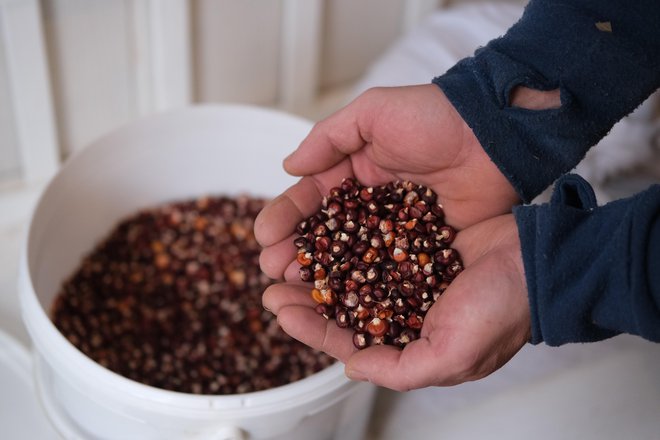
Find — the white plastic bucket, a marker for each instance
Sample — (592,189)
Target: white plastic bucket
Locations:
(185,153)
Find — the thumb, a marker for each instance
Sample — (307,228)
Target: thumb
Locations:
(329,141)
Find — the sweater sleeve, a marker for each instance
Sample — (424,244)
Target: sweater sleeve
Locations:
(604,56)
(592,272)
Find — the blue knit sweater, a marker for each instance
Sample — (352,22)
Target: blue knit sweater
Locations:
(592,272)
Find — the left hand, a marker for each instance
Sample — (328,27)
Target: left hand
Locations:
(477,325)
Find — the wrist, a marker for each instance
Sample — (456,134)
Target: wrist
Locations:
(533,99)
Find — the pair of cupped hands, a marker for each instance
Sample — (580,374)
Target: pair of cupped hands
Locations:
(408,133)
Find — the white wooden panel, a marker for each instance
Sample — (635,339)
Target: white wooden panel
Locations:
(113,61)
(356,33)
(161,36)
(416,10)
(301,49)
(10,163)
(237,50)
(30,131)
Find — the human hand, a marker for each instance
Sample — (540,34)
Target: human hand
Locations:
(403,133)
(476,326)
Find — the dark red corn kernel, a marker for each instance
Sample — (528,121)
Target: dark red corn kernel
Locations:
(400,306)
(385,226)
(418,277)
(415,212)
(302,227)
(320,273)
(377,327)
(389,265)
(372,207)
(348,185)
(405,269)
(370,255)
(360,247)
(414,302)
(304,258)
(399,255)
(445,256)
(407,289)
(405,337)
(352,216)
(322,257)
(437,210)
(446,234)
(358,277)
(350,300)
(377,242)
(338,248)
(351,286)
(361,340)
(366,300)
(414,322)
(428,196)
(332,224)
(395,276)
(372,222)
(366,194)
(372,275)
(341,317)
(366,289)
(453,270)
(430,221)
(306,273)
(362,218)
(325,310)
(362,312)
(335,283)
(379,293)
(322,243)
(329,297)
(302,243)
(320,230)
(422,207)
(350,226)
(379,340)
(333,209)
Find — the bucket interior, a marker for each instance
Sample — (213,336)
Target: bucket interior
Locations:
(189,153)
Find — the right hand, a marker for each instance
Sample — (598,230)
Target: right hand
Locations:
(386,134)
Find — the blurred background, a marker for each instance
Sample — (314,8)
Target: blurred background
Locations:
(74,70)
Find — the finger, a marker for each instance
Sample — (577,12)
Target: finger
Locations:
(294,308)
(292,273)
(279,218)
(331,140)
(280,295)
(310,328)
(275,259)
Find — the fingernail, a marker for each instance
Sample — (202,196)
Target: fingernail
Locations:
(289,156)
(354,374)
